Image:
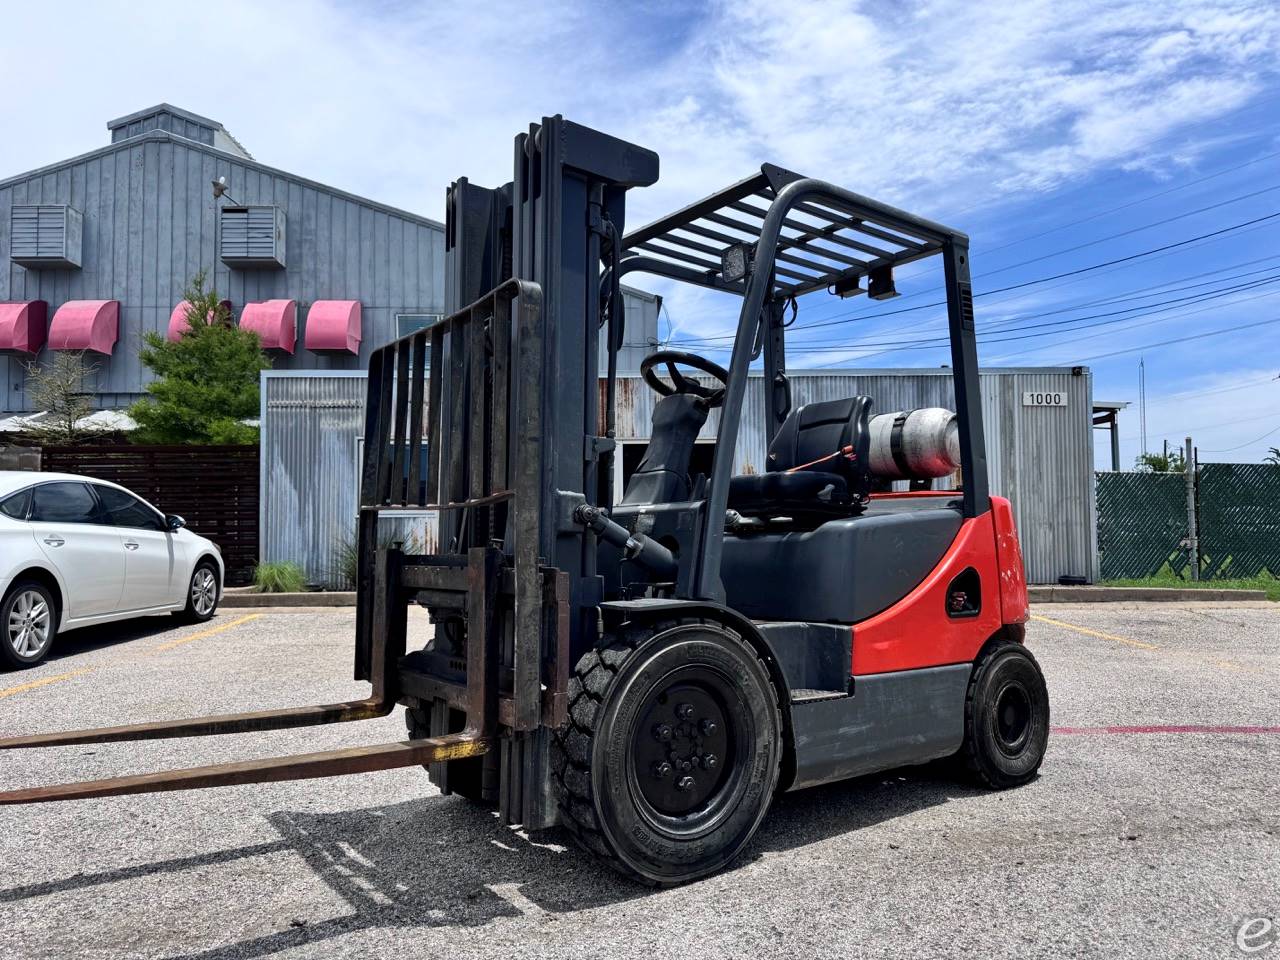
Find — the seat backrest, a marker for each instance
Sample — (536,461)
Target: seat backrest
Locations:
(830,436)
(663,474)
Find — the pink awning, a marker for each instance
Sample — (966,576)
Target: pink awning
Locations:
(22,326)
(274,321)
(333,325)
(85,325)
(178,319)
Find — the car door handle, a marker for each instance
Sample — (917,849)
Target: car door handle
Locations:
(131,545)
(54,541)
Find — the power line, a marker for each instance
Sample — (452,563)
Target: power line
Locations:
(1029,283)
(1169,343)
(1122,296)
(1145,323)
(1131,203)
(1106,318)
(1213,390)
(1133,230)
(1248,444)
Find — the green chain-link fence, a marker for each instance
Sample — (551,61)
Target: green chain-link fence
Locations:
(1238,509)
(1142,522)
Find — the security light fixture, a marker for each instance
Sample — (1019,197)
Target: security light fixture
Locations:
(880,283)
(220,190)
(735,262)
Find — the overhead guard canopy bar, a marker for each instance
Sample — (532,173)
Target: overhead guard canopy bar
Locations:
(821,241)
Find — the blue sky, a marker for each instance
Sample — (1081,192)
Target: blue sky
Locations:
(1059,135)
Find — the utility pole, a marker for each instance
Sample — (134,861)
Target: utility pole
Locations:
(1142,400)
(1193,544)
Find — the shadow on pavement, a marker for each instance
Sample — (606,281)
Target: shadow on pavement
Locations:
(88,639)
(442,861)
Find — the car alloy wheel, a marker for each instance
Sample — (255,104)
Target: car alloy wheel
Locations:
(204,591)
(28,627)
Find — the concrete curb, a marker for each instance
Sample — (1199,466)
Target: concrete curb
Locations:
(1095,594)
(337,598)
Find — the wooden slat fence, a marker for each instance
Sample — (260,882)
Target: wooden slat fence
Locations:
(214,488)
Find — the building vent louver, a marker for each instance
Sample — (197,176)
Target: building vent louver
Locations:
(252,238)
(45,236)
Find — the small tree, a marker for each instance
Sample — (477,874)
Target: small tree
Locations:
(1273,456)
(1173,461)
(57,387)
(206,381)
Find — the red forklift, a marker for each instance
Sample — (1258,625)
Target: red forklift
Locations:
(651,673)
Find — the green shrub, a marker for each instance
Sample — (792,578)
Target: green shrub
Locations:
(279,576)
(349,552)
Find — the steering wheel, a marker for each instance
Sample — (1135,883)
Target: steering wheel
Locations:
(712,396)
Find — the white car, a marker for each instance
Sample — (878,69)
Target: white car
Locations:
(75,551)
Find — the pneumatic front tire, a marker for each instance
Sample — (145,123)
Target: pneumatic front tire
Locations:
(1006,717)
(672,752)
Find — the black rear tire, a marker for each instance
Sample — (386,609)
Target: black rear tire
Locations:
(671,756)
(1006,717)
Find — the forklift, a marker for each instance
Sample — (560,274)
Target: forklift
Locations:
(651,673)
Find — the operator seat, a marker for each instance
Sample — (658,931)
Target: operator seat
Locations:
(663,474)
(817,465)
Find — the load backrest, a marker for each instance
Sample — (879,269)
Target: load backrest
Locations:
(830,437)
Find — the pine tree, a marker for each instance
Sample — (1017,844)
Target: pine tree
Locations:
(206,381)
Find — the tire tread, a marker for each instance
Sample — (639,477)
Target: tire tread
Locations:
(571,746)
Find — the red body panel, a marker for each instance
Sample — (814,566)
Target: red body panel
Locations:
(1013,574)
(916,631)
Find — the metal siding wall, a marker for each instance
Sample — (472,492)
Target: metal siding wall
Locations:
(149,226)
(309,501)
(309,483)
(639,335)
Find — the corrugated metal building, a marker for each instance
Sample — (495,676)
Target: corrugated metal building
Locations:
(127,227)
(1040,455)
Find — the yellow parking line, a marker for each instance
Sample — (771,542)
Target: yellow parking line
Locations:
(42,682)
(204,633)
(1095,633)
(1225,664)
(56,678)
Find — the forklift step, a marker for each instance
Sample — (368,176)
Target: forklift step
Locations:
(816,696)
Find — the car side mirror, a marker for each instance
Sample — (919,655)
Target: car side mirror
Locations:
(174,522)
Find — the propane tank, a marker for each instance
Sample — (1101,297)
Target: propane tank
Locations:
(915,444)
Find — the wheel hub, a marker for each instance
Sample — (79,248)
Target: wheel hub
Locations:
(1013,716)
(679,747)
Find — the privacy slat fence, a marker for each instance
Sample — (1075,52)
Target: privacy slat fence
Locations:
(1143,523)
(214,488)
(1238,506)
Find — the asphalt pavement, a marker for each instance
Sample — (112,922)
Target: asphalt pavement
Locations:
(1151,832)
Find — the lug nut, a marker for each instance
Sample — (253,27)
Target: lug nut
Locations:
(684,783)
(662,770)
(708,727)
(684,711)
(686,765)
(709,762)
(663,732)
